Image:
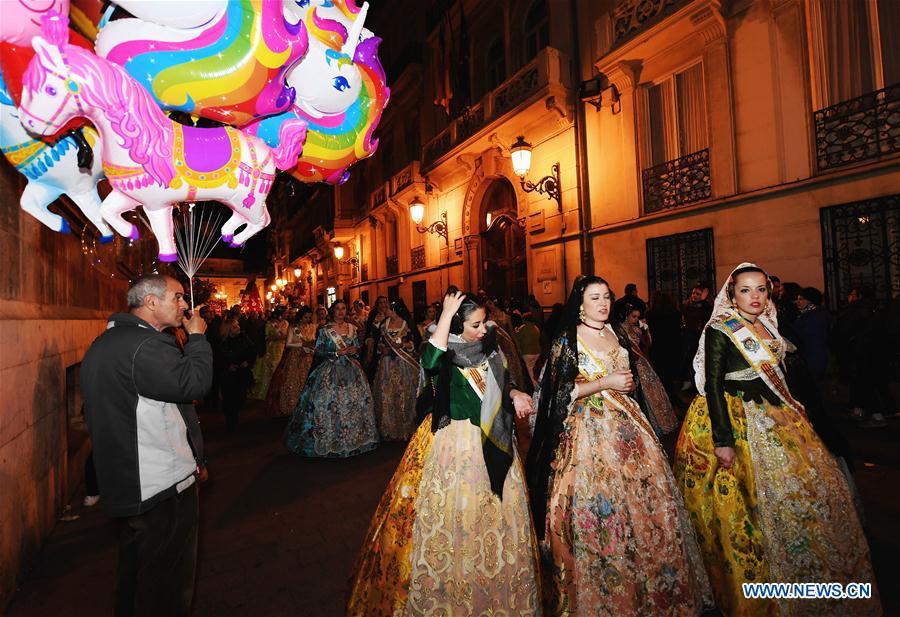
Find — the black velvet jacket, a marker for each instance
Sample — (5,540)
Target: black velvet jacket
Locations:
(722,358)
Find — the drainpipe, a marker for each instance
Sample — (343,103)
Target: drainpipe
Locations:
(584,206)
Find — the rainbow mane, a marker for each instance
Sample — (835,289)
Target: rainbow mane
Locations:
(252,36)
(334,143)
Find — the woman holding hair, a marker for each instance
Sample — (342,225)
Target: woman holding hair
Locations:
(290,376)
(397,375)
(614,535)
(334,417)
(452,534)
(767,499)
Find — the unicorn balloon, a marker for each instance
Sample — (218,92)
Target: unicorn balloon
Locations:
(230,66)
(148,159)
(52,170)
(341,91)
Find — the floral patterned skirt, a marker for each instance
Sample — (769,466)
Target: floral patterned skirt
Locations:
(334,416)
(394,392)
(618,540)
(441,542)
(782,513)
(288,381)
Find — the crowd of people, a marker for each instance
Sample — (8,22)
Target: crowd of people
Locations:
(535,478)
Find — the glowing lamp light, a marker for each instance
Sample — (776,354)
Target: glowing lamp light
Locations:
(339,252)
(274,287)
(520,152)
(298,273)
(417,211)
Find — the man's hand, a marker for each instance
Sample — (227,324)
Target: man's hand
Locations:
(196,324)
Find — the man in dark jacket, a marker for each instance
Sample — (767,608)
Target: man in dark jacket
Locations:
(138,388)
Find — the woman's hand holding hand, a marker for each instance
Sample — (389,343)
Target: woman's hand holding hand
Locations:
(523,405)
(621,381)
(725,456)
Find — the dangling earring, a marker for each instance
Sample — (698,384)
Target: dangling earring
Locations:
(581,313)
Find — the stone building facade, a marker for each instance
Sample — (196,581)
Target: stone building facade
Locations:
(689,135)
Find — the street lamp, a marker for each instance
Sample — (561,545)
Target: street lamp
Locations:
(439,227)
(298,273)
(520,152)
(273,287)
(339,255)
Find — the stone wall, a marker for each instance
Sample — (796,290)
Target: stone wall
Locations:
(52,305)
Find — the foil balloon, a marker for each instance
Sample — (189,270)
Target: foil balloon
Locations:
(231,68)
(341,92)
(22,18)
(190,13)
(147,158)
(51,169)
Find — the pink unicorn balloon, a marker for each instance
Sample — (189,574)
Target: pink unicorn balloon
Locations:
(21,19)
(148,159)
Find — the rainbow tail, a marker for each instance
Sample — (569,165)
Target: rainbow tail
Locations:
(291,137)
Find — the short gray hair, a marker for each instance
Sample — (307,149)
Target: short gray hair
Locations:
(151,284)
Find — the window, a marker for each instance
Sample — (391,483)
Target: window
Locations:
(496,64)
(676,116)
(861,248)
(537,29)
(676,157)
(676,263)
(332,296)
(854,46)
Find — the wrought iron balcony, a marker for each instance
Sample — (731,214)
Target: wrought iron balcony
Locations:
(860,129)
(417,254)
(547,70)
(677,182)
(631,17)
(392,267)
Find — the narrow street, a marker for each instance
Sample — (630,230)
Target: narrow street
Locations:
(279,534)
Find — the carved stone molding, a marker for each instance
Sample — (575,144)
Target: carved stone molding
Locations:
(709,21)
(624,75)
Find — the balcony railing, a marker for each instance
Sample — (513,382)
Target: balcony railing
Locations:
(546,69)
(417,257)
(677,182)
(860,129)
(392,266)
(633,16)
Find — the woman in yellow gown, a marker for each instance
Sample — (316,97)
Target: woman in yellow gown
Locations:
(767,499)
(452,534)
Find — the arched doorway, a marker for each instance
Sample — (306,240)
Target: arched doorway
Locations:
(504,264)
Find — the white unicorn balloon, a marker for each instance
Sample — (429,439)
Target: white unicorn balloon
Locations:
(52,170)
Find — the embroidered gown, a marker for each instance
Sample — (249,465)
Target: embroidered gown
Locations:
(657,405)
(441,541)
(783,512)
(334,417)
(264,368)
(290,376)
(617,538)
(395,384)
